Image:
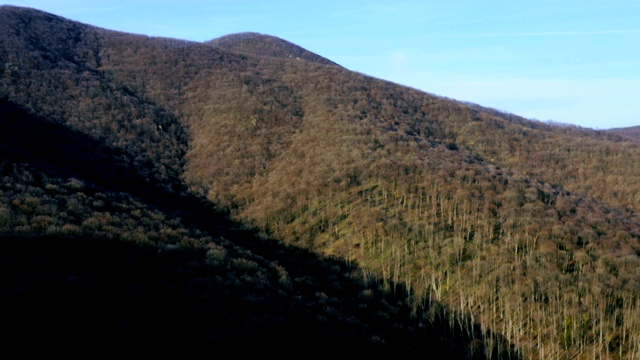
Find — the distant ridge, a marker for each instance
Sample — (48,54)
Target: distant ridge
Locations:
(266,45)
(632,133)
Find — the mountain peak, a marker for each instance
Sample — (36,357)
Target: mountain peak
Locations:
(266,45)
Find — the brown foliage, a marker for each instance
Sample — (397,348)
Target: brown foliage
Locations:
(528,229)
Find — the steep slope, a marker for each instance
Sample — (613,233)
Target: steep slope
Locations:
(50,69)
(464,214)
(103,248)
(88,267)
(388,178)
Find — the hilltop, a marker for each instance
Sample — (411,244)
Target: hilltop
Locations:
(248,173)
(266,45)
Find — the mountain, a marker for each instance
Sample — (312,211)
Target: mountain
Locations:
(266,45)
(274,196)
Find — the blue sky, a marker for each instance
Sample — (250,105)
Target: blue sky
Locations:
(569,61)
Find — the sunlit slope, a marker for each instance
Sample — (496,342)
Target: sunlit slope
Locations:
(103,247)
(526,228)
(394,180)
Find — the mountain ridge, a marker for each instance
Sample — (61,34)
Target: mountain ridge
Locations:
(411,188)
(632,132)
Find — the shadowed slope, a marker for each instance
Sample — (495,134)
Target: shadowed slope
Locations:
(94,258)
(487,213)
(97,253)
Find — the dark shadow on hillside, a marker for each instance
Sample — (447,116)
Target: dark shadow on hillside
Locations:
(60,151)
(86,296)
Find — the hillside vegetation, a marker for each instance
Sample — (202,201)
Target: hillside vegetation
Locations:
(632,133)
(435,224)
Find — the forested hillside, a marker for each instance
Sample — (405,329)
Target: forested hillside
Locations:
(384,217)
(630,132)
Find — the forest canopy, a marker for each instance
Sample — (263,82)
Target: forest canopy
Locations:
(247,170)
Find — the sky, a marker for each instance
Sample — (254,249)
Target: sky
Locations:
(575,62)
